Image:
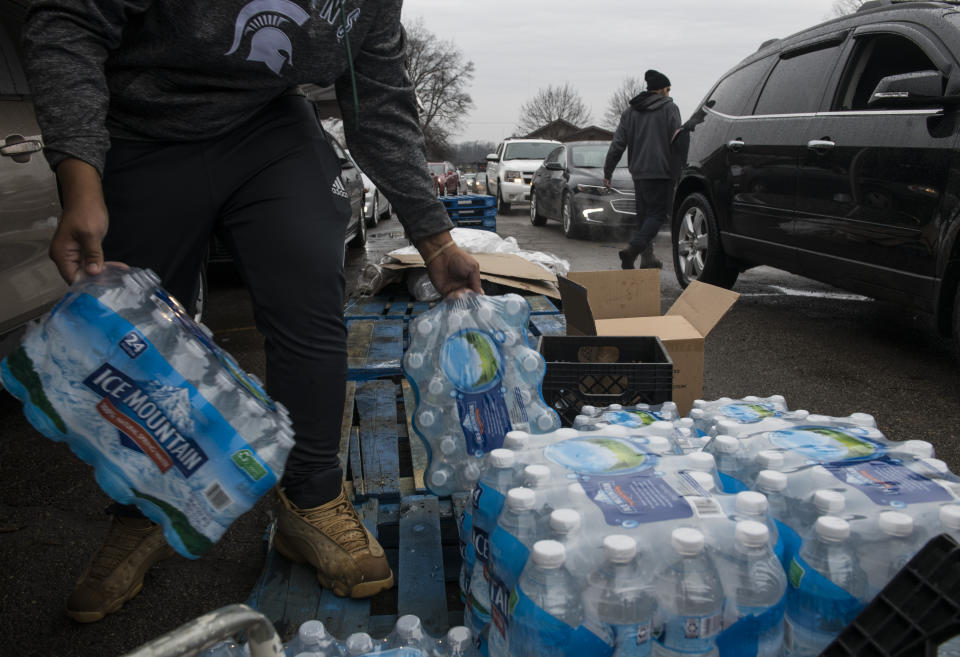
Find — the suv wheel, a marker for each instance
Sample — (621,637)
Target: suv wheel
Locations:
(360,239)
(502,206)
(571,227)
(375,215)
(697,255)
(536,218)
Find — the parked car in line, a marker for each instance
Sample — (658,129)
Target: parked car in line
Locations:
(375,204)
(510,170)
(833,154)
(568,187)
(446,178)
(29,281)
(470,183)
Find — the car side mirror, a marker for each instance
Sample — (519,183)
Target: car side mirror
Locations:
(345,163)
(908,90)
(553,166)
(492,157)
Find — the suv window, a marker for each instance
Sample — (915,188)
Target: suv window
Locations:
(874,58)
(554,155)
(527,150)
(733,92)
(12,80)
(796,81)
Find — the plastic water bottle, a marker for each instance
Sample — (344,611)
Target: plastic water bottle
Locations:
(548,605)
(538,478)
(827,589)
(312,639)
(884,557)
(751,505)
(516,532)
(728,455)
(619,601)
(225,649)
(566,527)
(691,599)
(760,586)
(458,642)
(773,484)
(408,633)
(359,644)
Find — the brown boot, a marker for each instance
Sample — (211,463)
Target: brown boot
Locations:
(116,572)
(332,539)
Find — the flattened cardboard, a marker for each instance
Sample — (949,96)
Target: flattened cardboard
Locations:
(498,264)
(703,305)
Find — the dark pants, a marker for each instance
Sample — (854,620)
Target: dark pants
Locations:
(653,205)
(265,187)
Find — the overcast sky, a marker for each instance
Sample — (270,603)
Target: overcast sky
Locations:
(519,47)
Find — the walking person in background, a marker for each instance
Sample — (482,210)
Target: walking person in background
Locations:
(646,130)
(166,121)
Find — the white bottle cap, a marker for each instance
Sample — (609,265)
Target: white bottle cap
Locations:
(751,502)
(531,362)
(424,327)
(704,479)
(822,478)
(801,414)
(459,639)
(470,471)
(588,410)
(829,502)
(521,499)
(536,475)
(564,521)
(697,413)
(661,426)
(502,458)
(435,387)
(772,481)
(516,440)
(698,404)
(832,528)
(439,478)
(358,644)
(565,433)
(617,430)
(546,422)
(686,541)
(769,459)
(448,445)
(577,494)
(659,445)
(427,418)
(702,461)
(728,426)
(615,407)
(817,418)
(409,627)
(726,444)
(549,554)
(619,548)
(668,407)
(777,400)
(918,448)
(683,423)
(862,419)
(580,420)
(311,632)
(950,516)
(514,305)
(895,523)
(750,533)
(414,359)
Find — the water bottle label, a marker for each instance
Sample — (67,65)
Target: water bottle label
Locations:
(814,601)
(481,545)
(887,482)
(509,554)
(632,500)
(152,438)
(633,640)
(632,419)
(501,605)
(732,485)
(535,632)
(828,444)
(758,631)
(691,633)
(749,413)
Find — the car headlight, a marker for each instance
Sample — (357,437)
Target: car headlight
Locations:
(513,176)
(593,189)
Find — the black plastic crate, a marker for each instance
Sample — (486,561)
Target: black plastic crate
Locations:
(914,613)
(600,371)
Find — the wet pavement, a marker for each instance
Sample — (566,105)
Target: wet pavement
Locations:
(823,349)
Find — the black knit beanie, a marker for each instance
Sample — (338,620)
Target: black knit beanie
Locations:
(656,80)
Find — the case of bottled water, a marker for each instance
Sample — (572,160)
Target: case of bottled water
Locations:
(136,388)
(476,378)
(408,638)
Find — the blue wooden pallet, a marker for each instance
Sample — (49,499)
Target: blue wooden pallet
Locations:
(468,201)
(398,306)
(374,348)
(555,324)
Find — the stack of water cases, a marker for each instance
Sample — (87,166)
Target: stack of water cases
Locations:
(140,391)
(476,378)
(622,537)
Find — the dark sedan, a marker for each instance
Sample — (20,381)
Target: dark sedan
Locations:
(568,187)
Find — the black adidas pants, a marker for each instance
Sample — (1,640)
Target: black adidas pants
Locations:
(265,187)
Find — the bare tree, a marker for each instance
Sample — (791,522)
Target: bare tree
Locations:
(440,76)
(844,7)
(551,104)
(620,100)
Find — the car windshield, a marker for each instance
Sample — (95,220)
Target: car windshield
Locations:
(593,156)
(528,151)
(436,167)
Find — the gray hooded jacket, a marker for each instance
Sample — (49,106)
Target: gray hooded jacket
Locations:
(184,70)
(645,131)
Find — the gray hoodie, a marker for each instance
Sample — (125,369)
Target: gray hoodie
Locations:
(185,70)
(646,129)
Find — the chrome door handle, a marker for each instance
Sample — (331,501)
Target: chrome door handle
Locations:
(820,145)
(735,145)
(20,148)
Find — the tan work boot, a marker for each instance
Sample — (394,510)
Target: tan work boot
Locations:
(116,572)
(332,539)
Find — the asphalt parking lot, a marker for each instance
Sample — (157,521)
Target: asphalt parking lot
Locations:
(824,350)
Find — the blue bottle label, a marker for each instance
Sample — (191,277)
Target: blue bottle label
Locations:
(814,601)
(745,413)
(887,482)
(694,634)
(632,419)
(535,632)
(757,633)
(828,444)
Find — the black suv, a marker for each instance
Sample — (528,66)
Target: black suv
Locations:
(833,154)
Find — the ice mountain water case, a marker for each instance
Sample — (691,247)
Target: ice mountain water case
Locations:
(137,389)
(476,378)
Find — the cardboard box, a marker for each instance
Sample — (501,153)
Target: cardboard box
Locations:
(627,303)
(507,269)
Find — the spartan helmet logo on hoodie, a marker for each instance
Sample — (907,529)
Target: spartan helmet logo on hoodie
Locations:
(264,20)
